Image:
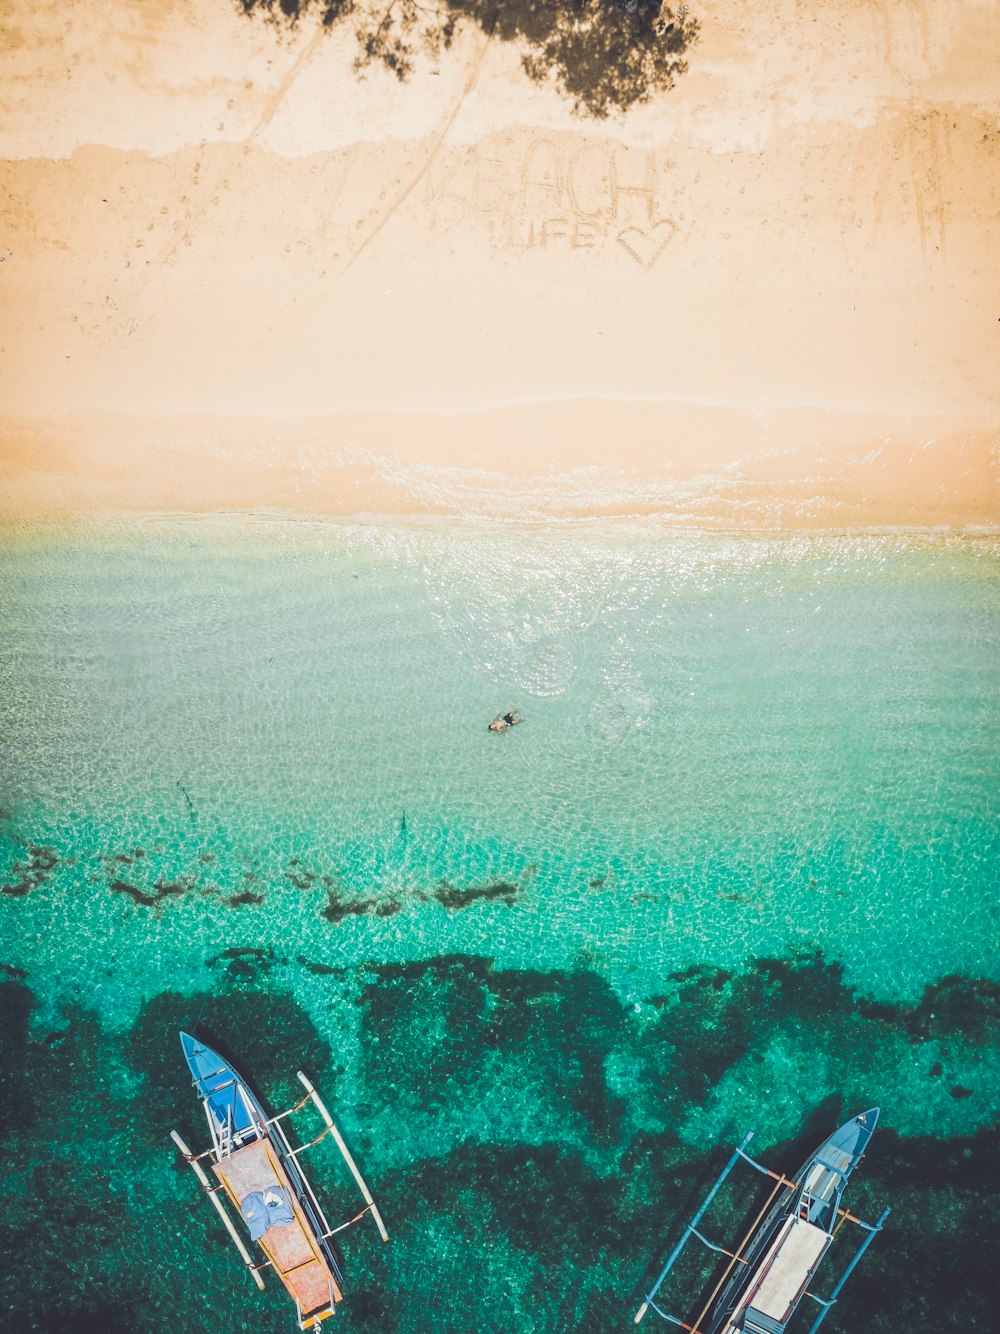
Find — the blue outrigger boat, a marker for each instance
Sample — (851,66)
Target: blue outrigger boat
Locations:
(256,1167)
(769,1273)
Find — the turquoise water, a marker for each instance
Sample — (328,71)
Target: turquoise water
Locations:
(737,867)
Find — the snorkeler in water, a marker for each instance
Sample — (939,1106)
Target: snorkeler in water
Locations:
(503,722)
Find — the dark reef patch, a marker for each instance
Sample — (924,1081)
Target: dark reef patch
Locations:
(320,969)
(299,875)
(34,872)
(451,897)
(16,1004)
(467,1026)
(337,908)
(162,889)
(245,900)
(166,889)
(955,1004)
(716,978)
(137,895)
(17,974)
(246,962)
(455,899)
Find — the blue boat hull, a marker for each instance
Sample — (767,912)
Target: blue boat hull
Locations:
(228,1099)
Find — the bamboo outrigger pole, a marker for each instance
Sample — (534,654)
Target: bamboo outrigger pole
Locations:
(729,1268)
(690,1230)
(871,1229)
(321,1108)
(230,1227)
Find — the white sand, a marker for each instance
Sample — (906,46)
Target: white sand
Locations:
(241,277)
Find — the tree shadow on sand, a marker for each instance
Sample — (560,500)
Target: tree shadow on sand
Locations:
(604,55)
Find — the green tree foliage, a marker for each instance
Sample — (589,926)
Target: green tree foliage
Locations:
(604,55)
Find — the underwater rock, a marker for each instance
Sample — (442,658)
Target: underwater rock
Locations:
(246,899)
(34,872)
(320,969)
(454,899)
(161,890)
(337,909)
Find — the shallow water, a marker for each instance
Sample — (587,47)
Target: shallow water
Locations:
(737,867)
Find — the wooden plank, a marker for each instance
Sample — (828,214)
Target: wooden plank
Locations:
(248,1169)
(287,1246)
(291,1248)
(796,1255)
(312,1286)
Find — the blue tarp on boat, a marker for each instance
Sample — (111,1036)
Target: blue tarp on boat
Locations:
(266,1208)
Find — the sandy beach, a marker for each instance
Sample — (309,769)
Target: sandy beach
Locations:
(237,275)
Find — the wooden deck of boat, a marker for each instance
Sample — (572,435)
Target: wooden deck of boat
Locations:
(293,1253)
(783,1274)
(798,1251)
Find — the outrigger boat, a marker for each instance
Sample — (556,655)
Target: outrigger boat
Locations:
(257,1168)
(769,1273)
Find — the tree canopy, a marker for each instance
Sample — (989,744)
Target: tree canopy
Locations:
(605,55)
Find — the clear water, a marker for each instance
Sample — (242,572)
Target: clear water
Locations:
(737,867)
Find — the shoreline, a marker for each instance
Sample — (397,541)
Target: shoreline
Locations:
(726,469)
(13,531)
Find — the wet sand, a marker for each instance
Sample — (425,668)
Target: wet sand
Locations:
(237,276)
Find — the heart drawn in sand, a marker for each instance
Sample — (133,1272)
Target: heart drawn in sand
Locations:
(647,247)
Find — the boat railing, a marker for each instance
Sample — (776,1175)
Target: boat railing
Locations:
(248,1107)
(689,1232)
(226,1134)
(786,1181)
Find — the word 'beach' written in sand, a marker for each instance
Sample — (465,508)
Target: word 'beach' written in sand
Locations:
(554,192)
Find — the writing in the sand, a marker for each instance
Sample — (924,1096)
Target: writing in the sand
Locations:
(557,194)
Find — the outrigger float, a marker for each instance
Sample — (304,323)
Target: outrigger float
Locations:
(769,1273)
(257,1168)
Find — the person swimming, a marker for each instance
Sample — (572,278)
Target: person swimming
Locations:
(503,722)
